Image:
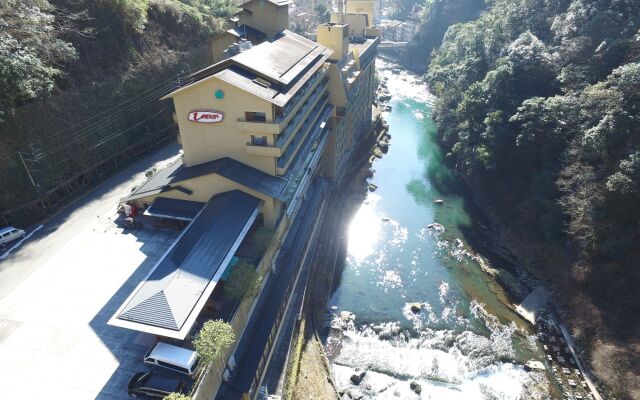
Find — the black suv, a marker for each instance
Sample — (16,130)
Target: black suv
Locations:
(153,385)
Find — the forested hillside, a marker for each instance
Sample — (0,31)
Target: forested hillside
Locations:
(79,88)
(539,110)
(437,17)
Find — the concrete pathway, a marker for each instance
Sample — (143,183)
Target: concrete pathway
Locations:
(59,288)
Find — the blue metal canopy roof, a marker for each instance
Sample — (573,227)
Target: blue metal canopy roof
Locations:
(168,301)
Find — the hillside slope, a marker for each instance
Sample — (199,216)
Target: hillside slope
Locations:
(79,87)
(538,110)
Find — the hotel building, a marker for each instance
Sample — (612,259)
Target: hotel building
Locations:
(265,131)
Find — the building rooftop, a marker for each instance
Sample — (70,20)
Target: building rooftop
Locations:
(244,30)
(170,298)
(169,178)
(364,47)
(273,70)
(182,210)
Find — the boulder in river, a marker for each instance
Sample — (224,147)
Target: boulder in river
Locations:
(357,377)
(347,316)
(415,307)
(438,202)
(372,187)
(415,386)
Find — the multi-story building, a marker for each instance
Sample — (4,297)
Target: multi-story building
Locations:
(263,133)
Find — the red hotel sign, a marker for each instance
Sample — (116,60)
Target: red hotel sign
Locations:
(206,116)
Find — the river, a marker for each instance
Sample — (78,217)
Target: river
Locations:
(465,343)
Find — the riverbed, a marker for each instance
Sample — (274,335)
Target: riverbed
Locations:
(404,247)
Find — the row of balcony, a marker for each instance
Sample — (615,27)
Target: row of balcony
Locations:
(292,127)
(276,127)
(320,114)
(291,104)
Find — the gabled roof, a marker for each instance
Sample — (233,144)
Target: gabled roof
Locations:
(238,172)
(169,178)
(170,298)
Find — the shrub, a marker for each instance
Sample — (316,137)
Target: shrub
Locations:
(262,237)
(244,281)
(213,340)
(133,13)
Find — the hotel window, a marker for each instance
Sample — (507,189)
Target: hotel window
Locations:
(258,140)
(255,116)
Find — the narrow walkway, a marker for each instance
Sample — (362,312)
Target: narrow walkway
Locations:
(249,352)
(585,374)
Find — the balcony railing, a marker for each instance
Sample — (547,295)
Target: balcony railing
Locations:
(293,124)
(320,114)
(293,102)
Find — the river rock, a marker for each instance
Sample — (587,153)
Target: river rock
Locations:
(357,377)
(355,394)
(438,202)
(372,187)
(415,386)
(415,307)
(436,226)
(347,316)
(388,331)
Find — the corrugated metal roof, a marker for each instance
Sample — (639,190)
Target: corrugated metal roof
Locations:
(178,286)
(174,208)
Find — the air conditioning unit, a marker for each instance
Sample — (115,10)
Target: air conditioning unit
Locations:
(226,376)
(232,363)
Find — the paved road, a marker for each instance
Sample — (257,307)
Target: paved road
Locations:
(58,290)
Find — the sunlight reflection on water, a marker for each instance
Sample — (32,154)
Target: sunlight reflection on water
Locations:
(364,230)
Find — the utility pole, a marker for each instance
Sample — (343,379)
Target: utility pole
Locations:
(35,157)
(26,169)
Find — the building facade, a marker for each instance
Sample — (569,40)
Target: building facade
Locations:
(258,130)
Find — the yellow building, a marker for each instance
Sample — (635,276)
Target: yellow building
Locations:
(257,21)
(262,133)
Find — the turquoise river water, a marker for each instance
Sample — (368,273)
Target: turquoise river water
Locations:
(466,343)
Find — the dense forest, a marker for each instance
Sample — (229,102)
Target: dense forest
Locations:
(539,111)
(436,18)
(79,85)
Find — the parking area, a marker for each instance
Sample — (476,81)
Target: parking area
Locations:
(58,290)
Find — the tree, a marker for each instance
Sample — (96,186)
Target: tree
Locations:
(322,13)
(213,340)
(243,281)
(177,396)
(133,13)
(30,52)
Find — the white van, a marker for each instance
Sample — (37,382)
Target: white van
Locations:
(173,358)
(9,234)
